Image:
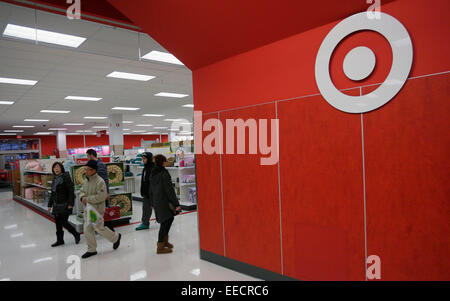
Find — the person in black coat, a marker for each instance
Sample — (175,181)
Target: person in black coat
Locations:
(147,159)
(61,203)
(165,202)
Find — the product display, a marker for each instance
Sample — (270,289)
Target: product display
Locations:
(124,202)
(79,176)
(115,173)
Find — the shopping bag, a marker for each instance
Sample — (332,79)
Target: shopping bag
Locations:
(93,217)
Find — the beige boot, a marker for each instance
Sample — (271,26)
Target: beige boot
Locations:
(162,249)
(166,241)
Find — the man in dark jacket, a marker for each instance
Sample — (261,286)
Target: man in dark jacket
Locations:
(147,159)
(165,202)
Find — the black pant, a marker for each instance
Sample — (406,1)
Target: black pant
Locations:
(61,220)
(164,229)
(146,211)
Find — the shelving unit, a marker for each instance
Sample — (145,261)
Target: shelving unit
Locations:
(37,185)
(183,188)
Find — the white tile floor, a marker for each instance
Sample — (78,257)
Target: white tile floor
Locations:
(25,252)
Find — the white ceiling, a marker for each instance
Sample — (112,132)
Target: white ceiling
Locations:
(62,71)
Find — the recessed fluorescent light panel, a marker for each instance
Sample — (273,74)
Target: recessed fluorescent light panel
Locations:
(23,126)
(57,129)
(94,117)
(173,95)
(138,131)
(13,131)
(73,123)
(153,115)
(17,81)
(81,131)
(3,102)
(43,133)
(125,109)
(160,127)
(171,119)
(36,120)
(29,33)
(127,122)
(55,112)
(100,127)
(188,106)
(143,125)
(160,56)
(83,98)
(130,76)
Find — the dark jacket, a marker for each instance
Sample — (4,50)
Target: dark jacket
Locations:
(62,191)
(102,171)
(145,179)
(162,193)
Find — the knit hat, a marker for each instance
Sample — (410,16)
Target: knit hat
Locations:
(148,155)
(92,164)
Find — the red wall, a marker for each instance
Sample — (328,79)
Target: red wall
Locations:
(345,183)
(48,143)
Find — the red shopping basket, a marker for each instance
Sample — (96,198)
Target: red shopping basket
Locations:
(111,213)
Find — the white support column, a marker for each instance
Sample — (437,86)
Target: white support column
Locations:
(116,133)
(61,144)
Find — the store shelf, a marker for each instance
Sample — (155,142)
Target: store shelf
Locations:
(37,185)
(187,184)
(188,206)
(40,207)
(29,151)
(40,172)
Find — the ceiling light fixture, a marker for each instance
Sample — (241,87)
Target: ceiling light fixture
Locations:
(153,115)
(16,81)
(57,129)
(143,125)
(160,56)
(83,98)
(29,33)
(13,131)
(23,126)
(173,95)
(188,106)
(55,112)
(43,133)
(94,117)
(4,102)
(73,123)
(130,76)
(100,127)
(125,109)
(36,120)
(127,122)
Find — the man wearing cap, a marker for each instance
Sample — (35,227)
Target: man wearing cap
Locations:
(147,159)
(93,192)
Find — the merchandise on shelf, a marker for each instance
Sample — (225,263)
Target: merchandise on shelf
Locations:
(124,202)
(115,172)
(193,195)
(33,165)
(187,178)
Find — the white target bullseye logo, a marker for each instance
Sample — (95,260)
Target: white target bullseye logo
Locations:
(360,62)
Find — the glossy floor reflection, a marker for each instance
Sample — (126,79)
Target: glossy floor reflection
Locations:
(25,252)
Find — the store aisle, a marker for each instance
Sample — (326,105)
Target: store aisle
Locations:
(25,252)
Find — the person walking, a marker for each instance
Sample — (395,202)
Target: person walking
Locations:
(61,203)
(102,171)
(147,159)
(93,192)
(165,202)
